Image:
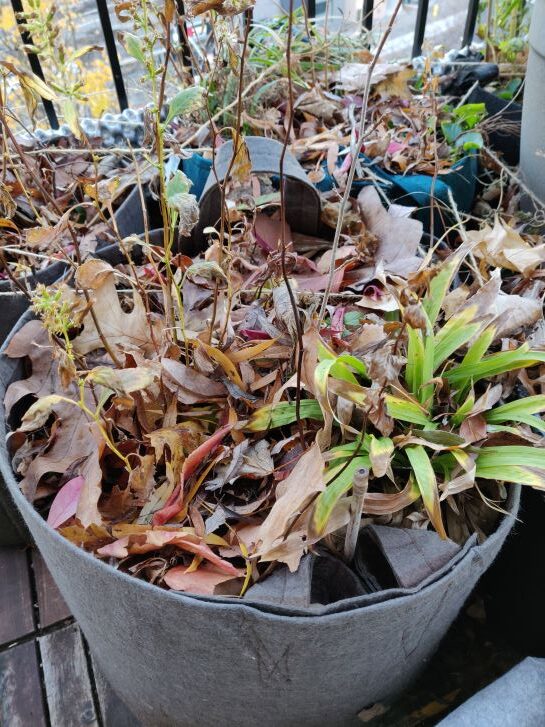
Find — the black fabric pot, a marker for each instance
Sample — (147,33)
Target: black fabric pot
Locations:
(179,660)
(130,221)
(129,216)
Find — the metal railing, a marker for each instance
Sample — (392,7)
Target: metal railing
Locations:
(113,57)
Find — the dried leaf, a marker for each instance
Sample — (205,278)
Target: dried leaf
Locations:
(292,496)
(65,504)
(121,329)
(398,236)
(202,581)
(502,246)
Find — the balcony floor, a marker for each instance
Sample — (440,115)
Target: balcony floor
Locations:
(47,676)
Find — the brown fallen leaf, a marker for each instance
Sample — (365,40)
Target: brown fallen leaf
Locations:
(398,235)
(508,312)
(32,340)
(121,329)
(352,77)
(222,7)
(502,246)
(203,581)
(73,441)
(292,496)
(323,106)
(190,386)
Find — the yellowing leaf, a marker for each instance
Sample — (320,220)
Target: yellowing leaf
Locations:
(380,454)
(281,414)
(242,166)
(250,352)
(224,361)
(427,484)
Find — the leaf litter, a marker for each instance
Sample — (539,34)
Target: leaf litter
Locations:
(166,428)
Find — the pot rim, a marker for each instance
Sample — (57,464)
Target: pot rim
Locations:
(394,596)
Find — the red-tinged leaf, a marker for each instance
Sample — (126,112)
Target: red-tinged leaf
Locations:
(175,502)
(172,507)
(65,504)
(202,581)
(254,335)
(337,324)
(152,540)
(206,448)
(268,232)
(318,283)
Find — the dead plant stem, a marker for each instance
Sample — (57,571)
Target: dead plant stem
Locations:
(282,184)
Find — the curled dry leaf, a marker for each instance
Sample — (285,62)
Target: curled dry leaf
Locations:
(189,385)
(503,247)
(398,235)
(293,495)
(151,540)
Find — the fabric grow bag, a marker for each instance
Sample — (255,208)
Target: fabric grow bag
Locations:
(179,660)
(517,699)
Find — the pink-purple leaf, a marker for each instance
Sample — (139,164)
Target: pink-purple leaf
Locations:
(65,504)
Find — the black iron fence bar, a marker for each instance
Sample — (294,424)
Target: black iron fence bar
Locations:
(104,16)
(367,18)
(182,34)
(471,22)
(420,27)
(34,61)
(111,49)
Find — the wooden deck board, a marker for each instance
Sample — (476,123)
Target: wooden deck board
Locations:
(66,677)
(113,710)
(52,606)
(21,700)
(16,609)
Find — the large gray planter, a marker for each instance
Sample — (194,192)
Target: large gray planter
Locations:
(532,147)
(185,661)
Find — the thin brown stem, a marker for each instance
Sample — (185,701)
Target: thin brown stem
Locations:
(355,156)
(293,302)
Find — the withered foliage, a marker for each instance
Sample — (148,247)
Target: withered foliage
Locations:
(165,425)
